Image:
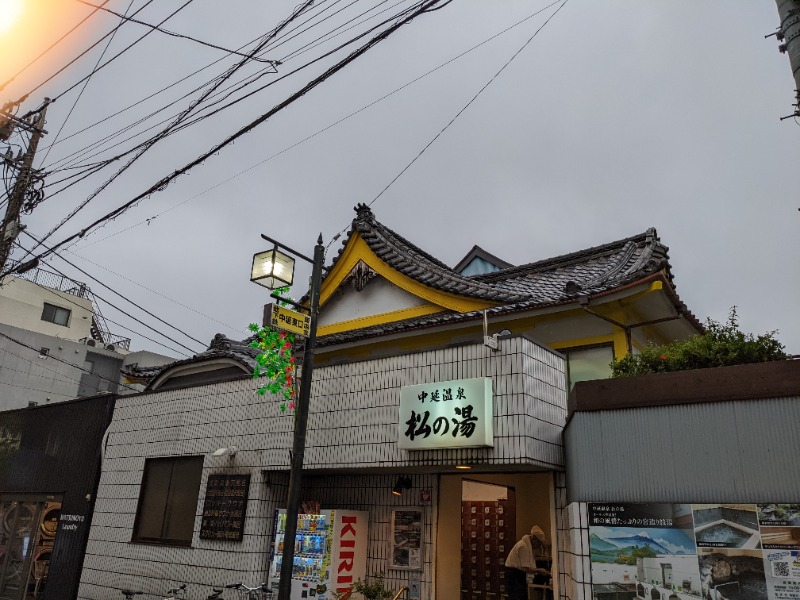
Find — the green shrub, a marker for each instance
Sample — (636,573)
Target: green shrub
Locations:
(372,590)
(721,345)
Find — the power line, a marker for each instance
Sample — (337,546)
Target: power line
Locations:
(422,7)
(324,129)
(55,358)
(177,35)
(157,318)
(85,83)
(128,47)
(468,104)
(7,368)
(82,54)
(183,115)
(157,293)
(232,103)
(51,46)
(223,94)
(138,102)
(104,318)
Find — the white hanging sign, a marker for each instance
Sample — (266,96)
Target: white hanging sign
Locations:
(448,414)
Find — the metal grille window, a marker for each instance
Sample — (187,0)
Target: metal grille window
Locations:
(168,500)
(56,314)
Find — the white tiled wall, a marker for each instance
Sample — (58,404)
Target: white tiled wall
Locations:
(572,523)
(353,425)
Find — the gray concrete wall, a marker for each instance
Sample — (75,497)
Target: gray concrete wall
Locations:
(25,377)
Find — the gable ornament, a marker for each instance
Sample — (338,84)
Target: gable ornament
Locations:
(360,276)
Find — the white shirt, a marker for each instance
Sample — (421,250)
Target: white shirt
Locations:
(521,555)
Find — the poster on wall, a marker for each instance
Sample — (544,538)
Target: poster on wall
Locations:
(690,551)
(407,529)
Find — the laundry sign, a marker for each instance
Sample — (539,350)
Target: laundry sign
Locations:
(446,414)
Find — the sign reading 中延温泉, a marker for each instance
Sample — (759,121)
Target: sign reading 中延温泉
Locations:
(690,551)
(447,414)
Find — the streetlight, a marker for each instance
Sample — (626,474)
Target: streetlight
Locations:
(275,269)
(272,269)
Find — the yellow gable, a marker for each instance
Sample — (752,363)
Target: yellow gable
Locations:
(399,297)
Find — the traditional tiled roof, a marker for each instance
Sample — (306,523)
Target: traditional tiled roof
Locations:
(559,280)
(220,347)
(410,260)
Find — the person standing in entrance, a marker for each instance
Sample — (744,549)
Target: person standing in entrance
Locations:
(521,561)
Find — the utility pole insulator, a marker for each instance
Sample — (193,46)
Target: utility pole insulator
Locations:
(788,34)
(11,225)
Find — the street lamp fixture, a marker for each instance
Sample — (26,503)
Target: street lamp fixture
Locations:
(274,269)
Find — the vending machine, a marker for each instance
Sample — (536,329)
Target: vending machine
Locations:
(330,553)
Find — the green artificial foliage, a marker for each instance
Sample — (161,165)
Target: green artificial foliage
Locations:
(276,362)
(372,588)
(722,345)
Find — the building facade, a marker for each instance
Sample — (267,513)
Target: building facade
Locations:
(402,337)
(55,344)
(678,487)
(49,470)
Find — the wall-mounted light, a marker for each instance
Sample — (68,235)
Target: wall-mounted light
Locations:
(231,451)
(463,467)
(403,483)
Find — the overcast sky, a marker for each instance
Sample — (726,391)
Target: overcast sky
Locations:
(618,116)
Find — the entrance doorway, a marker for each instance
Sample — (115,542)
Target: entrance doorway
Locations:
(488,532)
(28,526)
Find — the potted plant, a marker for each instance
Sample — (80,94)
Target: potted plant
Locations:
(372,588)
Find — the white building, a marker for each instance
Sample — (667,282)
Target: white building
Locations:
(55,344)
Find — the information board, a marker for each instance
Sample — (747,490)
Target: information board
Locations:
(225,507)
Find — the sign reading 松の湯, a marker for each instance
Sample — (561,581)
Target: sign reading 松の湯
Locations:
(447,414)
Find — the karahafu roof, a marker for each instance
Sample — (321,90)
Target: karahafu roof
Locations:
(221,347)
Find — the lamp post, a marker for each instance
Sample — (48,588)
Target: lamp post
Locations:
(274,269)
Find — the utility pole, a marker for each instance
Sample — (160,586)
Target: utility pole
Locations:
(788,35)
(11,226)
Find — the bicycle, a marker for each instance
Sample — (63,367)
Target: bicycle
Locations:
(261,592)
(177,593)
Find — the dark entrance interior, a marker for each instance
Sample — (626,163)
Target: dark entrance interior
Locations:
(28,526)
(488,532)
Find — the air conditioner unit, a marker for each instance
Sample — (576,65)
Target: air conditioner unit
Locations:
(91,342)
(111,347)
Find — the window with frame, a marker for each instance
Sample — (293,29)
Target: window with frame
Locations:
(589,362)
(56,314)
(168,500)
